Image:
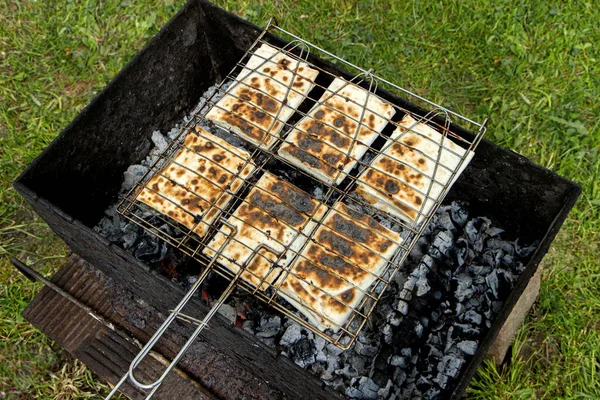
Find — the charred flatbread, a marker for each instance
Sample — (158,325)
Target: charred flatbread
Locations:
(198,182)
(345,256)
(274,219)
(403,179)
(328,142)
(266,94)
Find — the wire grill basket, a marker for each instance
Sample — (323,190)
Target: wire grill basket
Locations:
(261,232)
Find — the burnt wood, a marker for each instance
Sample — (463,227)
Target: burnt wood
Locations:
(79,175)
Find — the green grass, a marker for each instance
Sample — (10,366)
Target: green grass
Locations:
(533,68)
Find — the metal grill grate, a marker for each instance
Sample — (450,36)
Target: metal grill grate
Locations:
(209,235)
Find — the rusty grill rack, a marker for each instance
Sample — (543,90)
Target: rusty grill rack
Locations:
(263,159)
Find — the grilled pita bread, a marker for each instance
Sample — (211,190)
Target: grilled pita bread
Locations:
(346,254)
(400,177)
(274,215)
(266,94)
(199,181)
(327,142)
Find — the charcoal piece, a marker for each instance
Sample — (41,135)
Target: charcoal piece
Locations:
(473,317)
(422,286)
(321,356)
(479,269)
(399,376)
(443,241)
(467,329)
(499,244)
(419,329)
(349,371)
(397,361)
(445,221)
(464,288)
(406,352)
(460,252)
(492,282)
(384,392)
(432,394)
(449,339)
(459,214)
(468,346)
(269,327)
(151,250)
(358,362)
(426,262)
(292,334)
(450,366)
(129,239)
(366,349)
(362,388)
(474,234)
(387,334)
(133,175)
(248,326)
(303,352)
(320,343)
(228,312)
(333,350)
(405,295)
(525,251)
(410,283)
(326,375)
(493,257)
(395,318)
(493,231)
(442,380)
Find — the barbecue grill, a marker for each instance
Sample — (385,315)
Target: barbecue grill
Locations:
(159,102)
(188,241)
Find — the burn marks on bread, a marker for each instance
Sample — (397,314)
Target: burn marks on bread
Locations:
(264,96)
(329,141)
(268,224)
(199,181)
(346,254)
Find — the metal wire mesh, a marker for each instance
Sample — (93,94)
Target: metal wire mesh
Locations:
(195,239)
(227,213)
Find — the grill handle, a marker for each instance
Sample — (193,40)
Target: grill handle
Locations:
(174,314)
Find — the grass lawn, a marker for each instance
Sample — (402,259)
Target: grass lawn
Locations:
(534,69)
